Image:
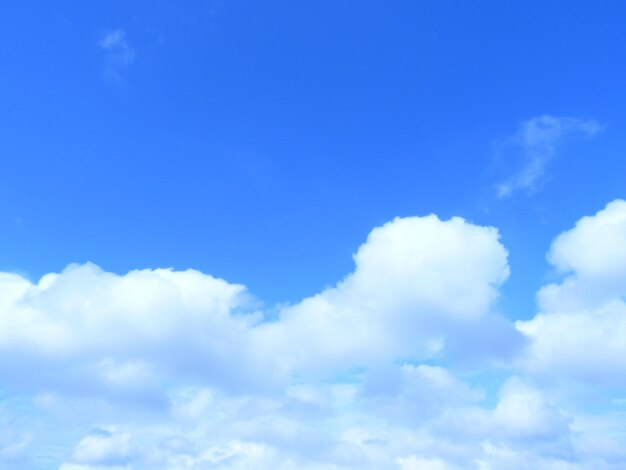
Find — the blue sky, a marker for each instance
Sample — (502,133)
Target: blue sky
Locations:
(260,143)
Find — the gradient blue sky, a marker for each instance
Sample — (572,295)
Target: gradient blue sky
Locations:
(261,141)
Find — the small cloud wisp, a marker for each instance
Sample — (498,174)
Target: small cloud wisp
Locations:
(536,142)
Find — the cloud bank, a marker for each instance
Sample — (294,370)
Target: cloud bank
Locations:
(405,363)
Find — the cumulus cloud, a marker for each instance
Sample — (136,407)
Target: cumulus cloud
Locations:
(596,247)
(524,412)
(396,366)
(534,144)
(123,335)
(580,330)
(415,279)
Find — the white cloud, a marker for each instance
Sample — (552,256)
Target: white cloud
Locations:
(535,143)
(415,279)
(580,330)
(121,336)
(523,412)
(103,447)
(596,247)
(368,374)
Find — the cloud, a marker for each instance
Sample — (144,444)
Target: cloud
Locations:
(118,53)
(415,279)
(102,448)
(523,412)
(121,336)
(596,247)
(534,144)
(404,363)
(580,330)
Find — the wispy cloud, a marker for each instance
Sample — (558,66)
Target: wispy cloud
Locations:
(118,52)
(535,143)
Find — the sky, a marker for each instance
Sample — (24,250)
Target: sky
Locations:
(312,235)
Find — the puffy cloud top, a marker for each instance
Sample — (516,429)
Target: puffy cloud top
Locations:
(422,263)
(413,276)
(580,332)
(596,246)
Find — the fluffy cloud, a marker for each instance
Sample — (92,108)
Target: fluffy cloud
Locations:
(88,331)
(400,365)
(101,449)
(596,246)
(580,331)
(123,335)
(415,280)
(523,412)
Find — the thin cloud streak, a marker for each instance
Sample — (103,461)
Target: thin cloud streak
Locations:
(536,142)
